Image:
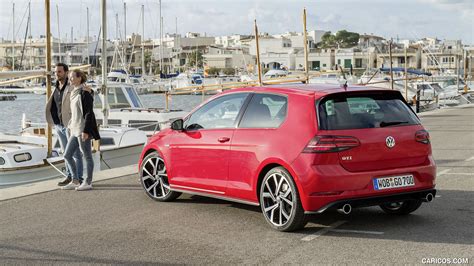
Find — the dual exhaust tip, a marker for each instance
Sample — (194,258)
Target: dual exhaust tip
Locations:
(347,208)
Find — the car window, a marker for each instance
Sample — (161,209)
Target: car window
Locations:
(265,111)
(218,113)
(364,110)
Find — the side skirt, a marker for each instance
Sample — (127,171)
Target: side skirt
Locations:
(221,197)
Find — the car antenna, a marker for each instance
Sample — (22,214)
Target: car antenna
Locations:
(344,77)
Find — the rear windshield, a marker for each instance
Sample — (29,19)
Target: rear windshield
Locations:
(364,110)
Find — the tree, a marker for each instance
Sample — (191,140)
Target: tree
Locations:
(228,71)
(192,59)
(347,39)
(213,71)
(342,39)
(327,40)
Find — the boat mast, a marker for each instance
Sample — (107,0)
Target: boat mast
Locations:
(161,41)
(59,34)
(143,41)
(87,38)
(306,70)
(30,36)
(258,54)
(105,105)
(48,69)
(13,38)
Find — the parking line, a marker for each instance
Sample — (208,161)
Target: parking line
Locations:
(470,159)
(357,231)
(444,172)
(323,231)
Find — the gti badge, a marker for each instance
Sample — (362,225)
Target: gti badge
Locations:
(390,142)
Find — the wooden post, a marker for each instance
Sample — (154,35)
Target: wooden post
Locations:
(166,101)
(406,75)
(391,65)
(259,67)
(465,70)
(305,47)
(48,70)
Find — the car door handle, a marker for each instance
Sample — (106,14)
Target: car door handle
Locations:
(223,139)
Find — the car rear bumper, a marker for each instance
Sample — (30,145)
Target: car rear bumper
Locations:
(375,201)
(321,185)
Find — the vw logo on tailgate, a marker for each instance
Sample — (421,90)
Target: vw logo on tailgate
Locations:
(390,142)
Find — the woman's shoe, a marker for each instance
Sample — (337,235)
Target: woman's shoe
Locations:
(70,186)
(84,186)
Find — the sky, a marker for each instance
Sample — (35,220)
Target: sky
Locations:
(403,19)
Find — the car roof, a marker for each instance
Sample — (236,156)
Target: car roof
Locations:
(308,89)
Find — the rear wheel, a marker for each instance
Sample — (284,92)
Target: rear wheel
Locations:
(154,178)
(280,202)
(401,208)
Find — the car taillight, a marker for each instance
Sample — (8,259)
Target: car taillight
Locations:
(422,136)
(324,144)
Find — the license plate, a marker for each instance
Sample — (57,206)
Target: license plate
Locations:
(394,182)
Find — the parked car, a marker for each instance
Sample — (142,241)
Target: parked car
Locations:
(296,150)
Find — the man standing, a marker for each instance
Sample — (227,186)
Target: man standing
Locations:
(58,113)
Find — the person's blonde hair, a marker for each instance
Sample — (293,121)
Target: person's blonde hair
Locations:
(80,74)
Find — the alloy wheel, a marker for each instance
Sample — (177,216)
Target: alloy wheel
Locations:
(278,199)
(154,178)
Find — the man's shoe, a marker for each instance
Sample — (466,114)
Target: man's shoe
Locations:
(65,181)
(84,186)
(70,186)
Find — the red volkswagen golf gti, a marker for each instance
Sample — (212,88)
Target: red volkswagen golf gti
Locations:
(296,150)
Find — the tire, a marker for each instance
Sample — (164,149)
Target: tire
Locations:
(154,178)
(401,208)
(280,201)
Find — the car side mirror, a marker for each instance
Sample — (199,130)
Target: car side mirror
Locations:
(177,125)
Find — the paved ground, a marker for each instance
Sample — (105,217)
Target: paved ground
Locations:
(118,224)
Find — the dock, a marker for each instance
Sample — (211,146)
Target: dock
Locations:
(116,223)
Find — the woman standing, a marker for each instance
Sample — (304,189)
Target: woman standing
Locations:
(83,128)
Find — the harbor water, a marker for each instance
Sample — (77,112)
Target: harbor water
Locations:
(33,106)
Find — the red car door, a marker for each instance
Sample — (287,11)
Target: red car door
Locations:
(199,155)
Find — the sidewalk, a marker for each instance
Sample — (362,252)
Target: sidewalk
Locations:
(51,185)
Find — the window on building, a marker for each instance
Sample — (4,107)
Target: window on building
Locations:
(339,61)
(358,63)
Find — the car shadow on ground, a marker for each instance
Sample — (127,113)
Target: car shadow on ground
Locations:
(445,220)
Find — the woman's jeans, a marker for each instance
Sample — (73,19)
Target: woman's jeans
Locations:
(74,144)
(63,135)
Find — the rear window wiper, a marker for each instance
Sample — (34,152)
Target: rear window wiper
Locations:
(392,123)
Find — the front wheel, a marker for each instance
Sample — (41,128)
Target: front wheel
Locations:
(401,208)
(280,202)
(154,178)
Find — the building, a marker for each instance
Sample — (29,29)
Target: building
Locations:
(220,57)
